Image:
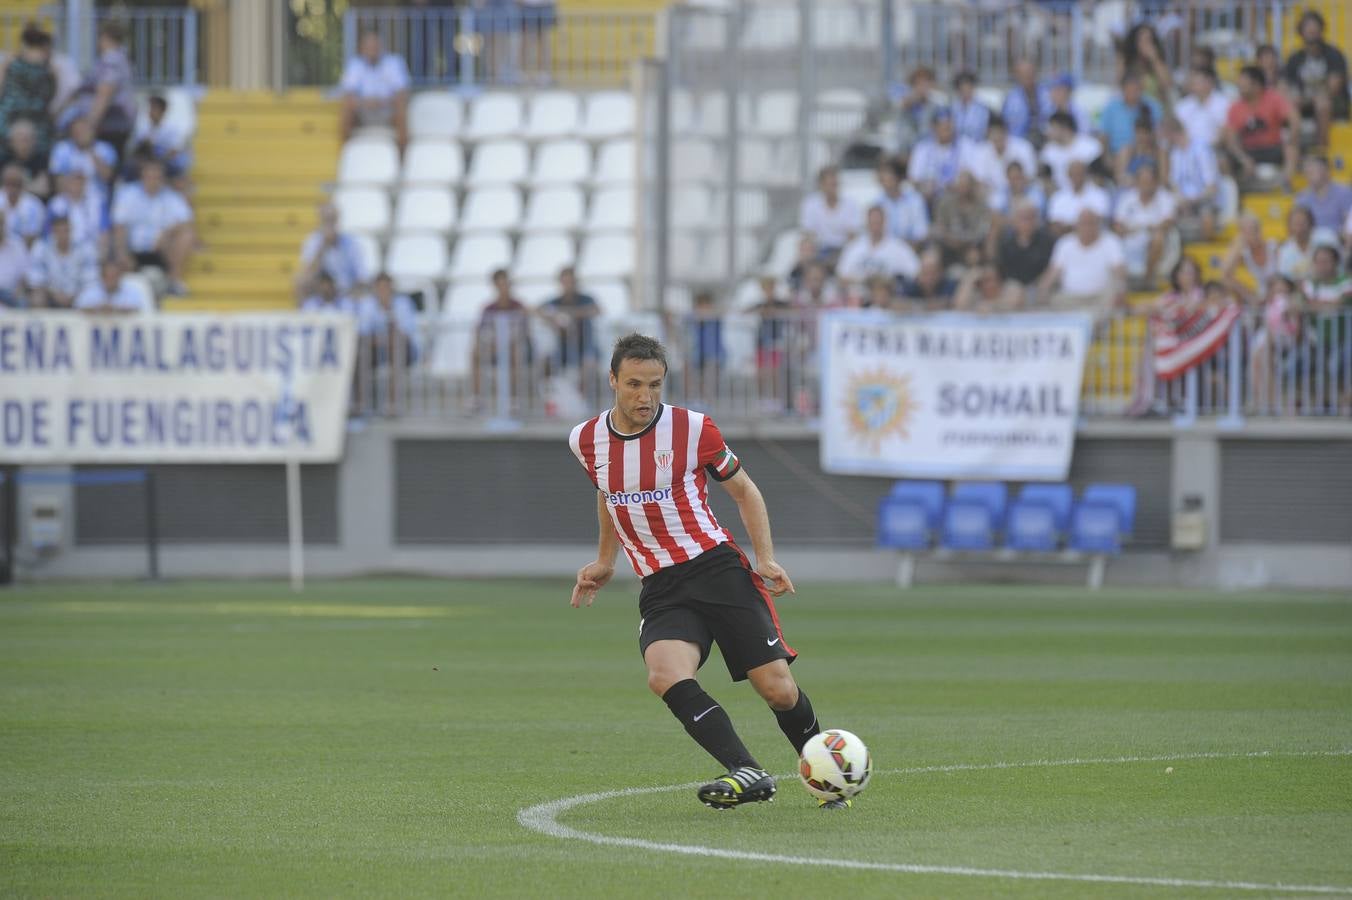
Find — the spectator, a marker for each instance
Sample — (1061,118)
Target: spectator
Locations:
(322,295)
(537,18)
(28,85)
(152,226)
(992,158)
(1087,269)
(982,290)
(105,97)
(1253,127)
(503,317)
(112,293)
(774,334)
(916,109)
(1144,150)
(1065,146)
(1270,62)
(970,116)
(1328,288)
(705,336)
(1125,112)
(807,254)
(962,221)
(573,315)
(375,88)
(13,268)
(1250,262)
(1295,257)
(907,216)
(388,324)
(25,216)
(1193,175)
(1145,219)
(1276,339)
(831,219)
(1317,75)
(1024,250)
(164,140)
(22,151)
(1328,202)
(1025,103)
(80,152)
(328,250)
(1059,93)
(1204,110)
(936,161)
(1142,55)
(60,268)
(875,253)
(817,291)
(1018,188)
(882,295)
(84,209)
(1080,194)
(931,290)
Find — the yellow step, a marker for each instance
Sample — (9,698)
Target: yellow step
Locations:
(276,264)
(257,191)
(303,125)
(234,242)
(267,283)
(231,148)
(313,168)
(247,216)
(205,302)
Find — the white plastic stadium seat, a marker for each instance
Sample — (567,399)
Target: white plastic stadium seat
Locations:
(498,162)
(494,115)
(846,108)
(612,209)
(140,284)
(543,255)
(416,257)
(769,28)
(491,209)
(693,207)
(372,256)
(694,159)
(554,209)
(606,256)
(753,207)
(776,113)
(534,291)
(435,114)
(616,163)
(362,209)
(684,115)
(463,301)
(368,161)
(425,209)
(453,338)
(860,186)
(756,161)
(430,162)
(477,255)
(611,296)
(783,253)
(683,260)
(562,162)
(609,114)
(713,114)
(553,114)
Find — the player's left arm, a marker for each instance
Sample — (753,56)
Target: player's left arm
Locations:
(751,506)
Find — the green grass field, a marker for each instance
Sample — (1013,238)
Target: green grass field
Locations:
(379,738)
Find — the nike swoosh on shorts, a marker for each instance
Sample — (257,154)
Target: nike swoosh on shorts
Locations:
(770,643)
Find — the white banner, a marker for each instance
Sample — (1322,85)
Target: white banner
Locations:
(951,395)
(77,388)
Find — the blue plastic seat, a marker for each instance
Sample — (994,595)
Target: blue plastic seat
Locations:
(993,495)
(1096,527)
(1031,526)
(1120,496)
(929,494)
(910,514)
(968,525)
(1057,497)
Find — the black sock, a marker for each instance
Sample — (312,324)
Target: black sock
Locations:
(707,723)
(799,723)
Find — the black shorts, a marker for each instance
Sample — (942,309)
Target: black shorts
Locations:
(714,598)
(151,258)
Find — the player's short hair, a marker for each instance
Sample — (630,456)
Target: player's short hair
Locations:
(637,346)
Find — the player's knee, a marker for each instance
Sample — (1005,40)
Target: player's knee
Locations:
(779,692)
(660,680)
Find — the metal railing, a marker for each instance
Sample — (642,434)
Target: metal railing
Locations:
(507,46)
(162,43)
(511,369)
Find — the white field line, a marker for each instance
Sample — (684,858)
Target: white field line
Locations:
(543,818)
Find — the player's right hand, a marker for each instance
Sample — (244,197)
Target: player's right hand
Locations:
(590,579)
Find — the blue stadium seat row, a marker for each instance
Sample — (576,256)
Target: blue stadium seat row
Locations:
(978,516)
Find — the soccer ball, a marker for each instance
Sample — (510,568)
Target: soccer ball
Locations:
(835,764)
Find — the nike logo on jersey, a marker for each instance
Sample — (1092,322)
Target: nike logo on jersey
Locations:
(600,466)
(706,712)
(770,643)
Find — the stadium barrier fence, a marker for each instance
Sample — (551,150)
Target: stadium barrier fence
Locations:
(162,43)
(510,369)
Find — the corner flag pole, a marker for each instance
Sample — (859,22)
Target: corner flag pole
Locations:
(294,529)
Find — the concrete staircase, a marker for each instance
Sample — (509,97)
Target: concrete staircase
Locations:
(262,164)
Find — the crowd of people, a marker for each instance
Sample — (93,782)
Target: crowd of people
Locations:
(89,191)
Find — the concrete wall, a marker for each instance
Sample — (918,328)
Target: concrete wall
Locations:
(1277,503)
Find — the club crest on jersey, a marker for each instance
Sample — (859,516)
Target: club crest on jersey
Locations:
(663,458)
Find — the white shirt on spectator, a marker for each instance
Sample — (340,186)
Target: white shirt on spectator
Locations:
(372,320)
(1192,169)
(381,81)
(989,165)
(343,261)
(165,137)
(831,226)
(1134,215)
(1058,157)
(126,296)
(1296,263)
(1088,270)
(939,164)
(1203,121)
(147,217)
(907,216)
(68,157)
(85,215)
(63,273)
(26,217)
(862,259)
(1066,205)
(13,263)
(342,305)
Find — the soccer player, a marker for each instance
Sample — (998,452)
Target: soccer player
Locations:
(650,463)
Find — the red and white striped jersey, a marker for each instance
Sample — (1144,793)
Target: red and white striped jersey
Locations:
(654,483)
